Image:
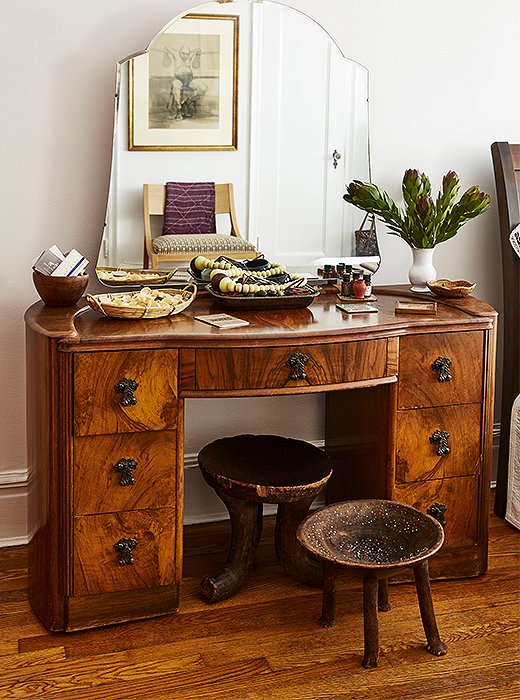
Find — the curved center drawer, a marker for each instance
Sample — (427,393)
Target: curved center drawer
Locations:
(287,367)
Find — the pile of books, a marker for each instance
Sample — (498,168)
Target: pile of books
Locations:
(57,264)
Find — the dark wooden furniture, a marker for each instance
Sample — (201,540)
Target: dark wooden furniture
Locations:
(105,404)
(374,539)
(247,471)
(506,163)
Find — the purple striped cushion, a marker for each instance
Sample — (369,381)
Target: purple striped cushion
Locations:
(189,208)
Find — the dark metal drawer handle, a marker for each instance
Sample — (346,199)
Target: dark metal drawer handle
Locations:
(442,366)
(125,546)
(126,387)
(437,510)
(440,438)
(297,363)
(126,467)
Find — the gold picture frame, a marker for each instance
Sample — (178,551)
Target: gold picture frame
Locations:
(183,91)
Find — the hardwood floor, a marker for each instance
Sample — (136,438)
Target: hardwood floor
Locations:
(265,642)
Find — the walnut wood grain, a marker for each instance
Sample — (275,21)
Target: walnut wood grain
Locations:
(97,407)
(459,495)
(70,359)
(268,367)
(96,563)
(97,484)
(417,458)
(419,384)
(95,610)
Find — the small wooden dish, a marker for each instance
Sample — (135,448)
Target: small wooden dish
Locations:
(451,288)
(107,304)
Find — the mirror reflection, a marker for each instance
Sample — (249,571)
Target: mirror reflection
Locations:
(256,95)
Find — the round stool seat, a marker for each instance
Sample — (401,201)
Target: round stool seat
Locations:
(247,471)
(265,468)
(371,534)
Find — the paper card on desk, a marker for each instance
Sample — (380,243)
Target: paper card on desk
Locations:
(222,320)
(357,308)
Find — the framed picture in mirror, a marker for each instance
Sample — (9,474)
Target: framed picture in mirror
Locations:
(182,91)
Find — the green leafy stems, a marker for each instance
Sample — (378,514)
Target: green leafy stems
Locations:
(422,222)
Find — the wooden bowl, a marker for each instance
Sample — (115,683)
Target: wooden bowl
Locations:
(451,288)
(60,291)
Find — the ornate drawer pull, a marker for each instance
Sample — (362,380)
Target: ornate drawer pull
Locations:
(125,546)
(440,438)
(126,387)
(437,510)
(442,366)
(126,467)
(297,363)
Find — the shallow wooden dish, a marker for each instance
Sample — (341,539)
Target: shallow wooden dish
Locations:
(451,288)
(104,303)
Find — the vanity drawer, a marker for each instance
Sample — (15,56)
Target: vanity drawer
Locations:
(419,442)
(96,561)
(147,459)
(276,368)
(100,408)
(459,495)
(422,385)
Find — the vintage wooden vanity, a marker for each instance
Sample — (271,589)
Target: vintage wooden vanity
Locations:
(105,409)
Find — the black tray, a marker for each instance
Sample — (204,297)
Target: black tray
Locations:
(247,302)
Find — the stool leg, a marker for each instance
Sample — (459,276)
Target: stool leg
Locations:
(370,625)
(246,528)
(328,604)
(383,604)
(292,556)
(424,593)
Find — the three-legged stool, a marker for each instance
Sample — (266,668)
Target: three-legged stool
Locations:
(374,539)
(247,471)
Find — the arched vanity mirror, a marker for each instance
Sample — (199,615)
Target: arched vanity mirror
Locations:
(275,108)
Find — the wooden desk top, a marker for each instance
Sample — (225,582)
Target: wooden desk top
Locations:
(80,327)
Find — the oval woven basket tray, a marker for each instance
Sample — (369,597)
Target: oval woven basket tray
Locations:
(131,277)
(147,303)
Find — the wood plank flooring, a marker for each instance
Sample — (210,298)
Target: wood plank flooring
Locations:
(265,642)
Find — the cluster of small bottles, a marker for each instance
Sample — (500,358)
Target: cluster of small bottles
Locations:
(353,283)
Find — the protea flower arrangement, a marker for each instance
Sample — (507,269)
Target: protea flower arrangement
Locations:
(423,222)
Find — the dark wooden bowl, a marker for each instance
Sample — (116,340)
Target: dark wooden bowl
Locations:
(60,291)
(371,534)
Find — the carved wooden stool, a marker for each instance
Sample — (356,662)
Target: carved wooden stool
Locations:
(247,471)
(374,539)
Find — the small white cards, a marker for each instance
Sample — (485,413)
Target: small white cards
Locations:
(222,320)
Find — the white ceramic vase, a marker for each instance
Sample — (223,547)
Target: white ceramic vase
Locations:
(422,269)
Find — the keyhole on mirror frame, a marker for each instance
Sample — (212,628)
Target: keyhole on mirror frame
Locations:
(336,157)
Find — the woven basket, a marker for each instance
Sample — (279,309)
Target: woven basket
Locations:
(104,303)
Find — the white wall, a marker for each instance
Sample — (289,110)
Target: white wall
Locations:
(443,88)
